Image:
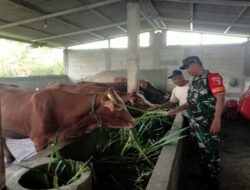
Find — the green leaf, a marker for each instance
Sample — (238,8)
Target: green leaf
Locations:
(55,182)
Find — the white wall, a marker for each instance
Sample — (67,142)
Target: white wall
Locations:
(229,60)
(85,63)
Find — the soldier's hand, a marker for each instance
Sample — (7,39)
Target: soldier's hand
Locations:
(215,127)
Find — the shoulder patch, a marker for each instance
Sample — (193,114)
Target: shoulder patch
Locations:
(216,83)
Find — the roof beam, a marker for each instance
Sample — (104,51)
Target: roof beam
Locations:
(104,18)
(235,20)
(83,42)
(205,22)
(212,2)
(107,19)
(30,7)
(148,9)
(148,20)
(79,32)
(26,27)
(33,8)
(60,13)
(115,36)
(122,23)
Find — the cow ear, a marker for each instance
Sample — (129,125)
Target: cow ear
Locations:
(109,104)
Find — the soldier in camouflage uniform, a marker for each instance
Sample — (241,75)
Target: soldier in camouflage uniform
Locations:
(205,102)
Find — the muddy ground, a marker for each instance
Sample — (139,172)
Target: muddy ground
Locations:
(235,156)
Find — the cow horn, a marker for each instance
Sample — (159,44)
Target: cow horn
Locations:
(112,98)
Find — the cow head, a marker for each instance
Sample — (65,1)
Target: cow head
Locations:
(113,111)
(139,101)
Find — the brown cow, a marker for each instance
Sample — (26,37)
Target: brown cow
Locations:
(41,114)
(118,86)
(148,89)
(135,99)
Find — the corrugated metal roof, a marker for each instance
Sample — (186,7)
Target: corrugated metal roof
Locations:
(61,23)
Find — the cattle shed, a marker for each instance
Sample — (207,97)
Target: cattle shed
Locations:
(66,23)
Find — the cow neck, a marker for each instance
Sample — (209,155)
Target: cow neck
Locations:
(92,112)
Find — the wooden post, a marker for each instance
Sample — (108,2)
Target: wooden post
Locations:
(2,166)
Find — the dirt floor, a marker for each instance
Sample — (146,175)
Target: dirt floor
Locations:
(235,155)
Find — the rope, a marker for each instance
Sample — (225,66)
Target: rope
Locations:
(93,105)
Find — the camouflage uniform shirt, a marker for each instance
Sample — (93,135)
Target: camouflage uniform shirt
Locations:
(201,108)
(201,103)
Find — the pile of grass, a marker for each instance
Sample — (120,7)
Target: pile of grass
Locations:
(127,158)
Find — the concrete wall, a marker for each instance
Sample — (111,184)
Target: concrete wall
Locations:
(157,76)
(231,61)
(166,173)
(34,82)
(104,65)
(85,63)
(228,60)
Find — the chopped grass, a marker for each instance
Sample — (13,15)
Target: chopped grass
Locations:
(128,157)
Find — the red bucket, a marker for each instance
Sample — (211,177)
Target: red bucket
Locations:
(244,104)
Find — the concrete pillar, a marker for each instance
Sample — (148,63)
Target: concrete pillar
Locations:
(157,43)
(66,61)
(2,167)
(151,39)
(246,76)
(108,57)
(247,60)
(133,26)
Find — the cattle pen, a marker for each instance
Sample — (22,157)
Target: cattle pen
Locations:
(175,168)
(91,97)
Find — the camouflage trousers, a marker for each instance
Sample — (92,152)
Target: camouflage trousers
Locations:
(209,152)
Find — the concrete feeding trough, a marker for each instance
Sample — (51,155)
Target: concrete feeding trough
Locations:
(165,174)
(80,149)
(24,178)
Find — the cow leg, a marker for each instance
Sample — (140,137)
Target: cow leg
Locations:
(9,157)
